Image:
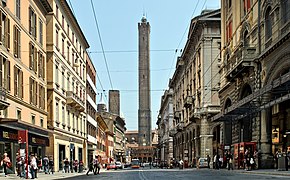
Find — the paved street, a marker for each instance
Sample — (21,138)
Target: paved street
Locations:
(174,174)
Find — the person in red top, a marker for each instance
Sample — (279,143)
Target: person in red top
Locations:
(6,163)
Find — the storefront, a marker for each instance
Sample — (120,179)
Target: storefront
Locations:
(37,141)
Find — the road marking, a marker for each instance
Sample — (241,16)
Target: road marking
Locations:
(142,176)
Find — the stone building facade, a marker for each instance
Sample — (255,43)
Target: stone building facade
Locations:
(165,127)
(195,86)
(91,108)
(23,79)
(254,81)
(66,85)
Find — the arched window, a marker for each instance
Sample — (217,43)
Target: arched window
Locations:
(245,38)
(268,24)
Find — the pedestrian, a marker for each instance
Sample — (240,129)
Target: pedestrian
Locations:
(51,165)
(256,159)
(214,161)
(230,162)
(181,164)
(217,161)
(208,161)
(6,163)
(76,165)
(45,164)
(66,165)
(81,164)
(33,166)
(91,167)
(99,165)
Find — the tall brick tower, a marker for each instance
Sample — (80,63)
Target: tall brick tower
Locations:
(144,111)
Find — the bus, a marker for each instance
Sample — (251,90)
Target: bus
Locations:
(135,164)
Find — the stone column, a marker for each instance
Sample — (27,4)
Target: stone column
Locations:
(205,138)
(267,159)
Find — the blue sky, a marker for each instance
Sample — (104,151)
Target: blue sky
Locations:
(118,25)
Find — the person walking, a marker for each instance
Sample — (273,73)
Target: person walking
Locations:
(96,166)
(66,165)
(91,167)
(214,161)
(51,165)
(75,164)
(6,163)
(230,162)
(217,161)
(45,164)
(208,161)
(33,166)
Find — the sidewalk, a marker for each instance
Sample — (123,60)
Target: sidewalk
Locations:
(266,172)
(43,176)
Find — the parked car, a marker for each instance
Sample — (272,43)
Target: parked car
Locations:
(202,162)
(119,165)
(111,166)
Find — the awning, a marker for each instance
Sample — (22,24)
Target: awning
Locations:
(279,89)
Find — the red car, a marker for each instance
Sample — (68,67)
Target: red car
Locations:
(112,166)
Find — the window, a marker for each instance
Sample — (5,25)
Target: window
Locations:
(32,57)
(247,6)
(62,47)
(18,113)
(17,9)
(18,82)
(73,38)
(62,80)
(73,57)
(33,91)
(5,73)
(268,24)
(229,3)
(33,119)
(285,6)
(56,73)
(56,112)
(5,30)
(68,118)
(62,22)
(41,97)
(73,121)
(56,11)
(17,43)
(68,83)
(68,47)
(40,32)
(56,39)
(229,32)
(41,65)
(41,122)
(63,114)
(68,30)
(32,22)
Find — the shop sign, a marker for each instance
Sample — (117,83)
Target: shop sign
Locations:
(9,135)
(38,141)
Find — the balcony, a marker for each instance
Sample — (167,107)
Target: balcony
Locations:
(240,62)
(3,99)
(172,132)
(188,101)
(212,109)
(176,115)
(75,101)
(180,126)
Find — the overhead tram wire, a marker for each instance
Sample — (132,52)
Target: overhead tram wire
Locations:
(101,42)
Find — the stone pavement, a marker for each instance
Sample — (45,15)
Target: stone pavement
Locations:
(43,176)
(267,172)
